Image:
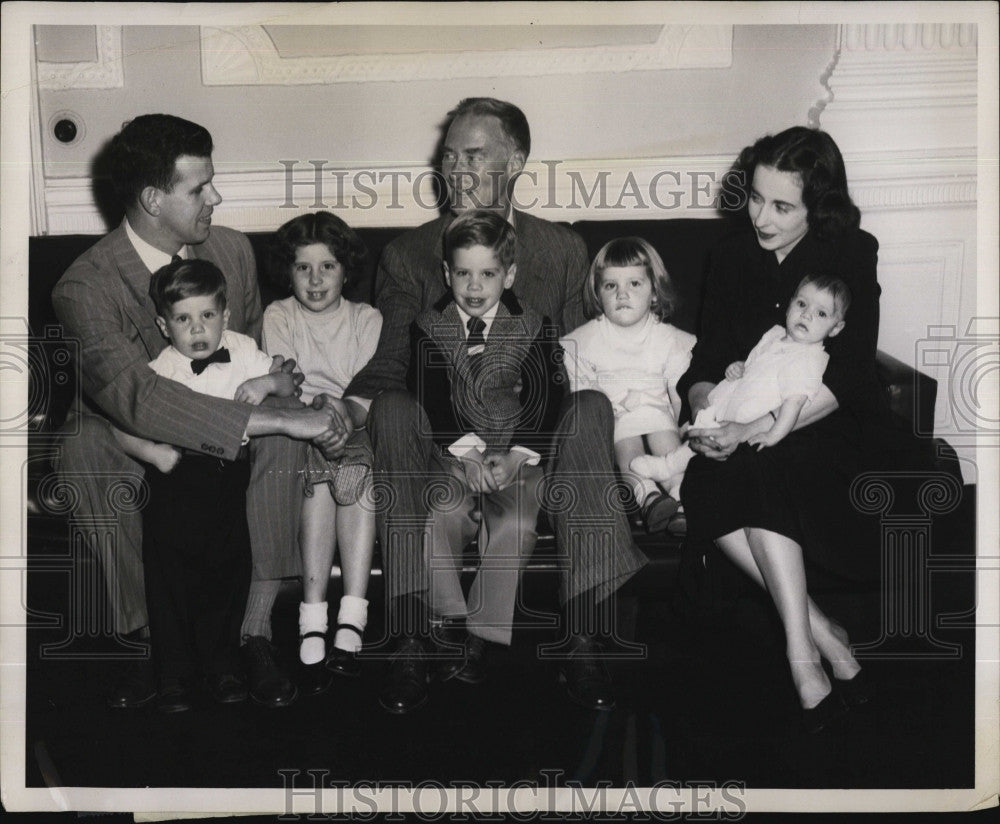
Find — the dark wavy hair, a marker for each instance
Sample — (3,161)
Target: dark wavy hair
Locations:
(316,227)
(631,251)
(183,279)
(481,228)
(144,153)
(512,119)
(812,155)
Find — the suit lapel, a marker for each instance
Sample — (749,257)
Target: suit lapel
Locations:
(135,275)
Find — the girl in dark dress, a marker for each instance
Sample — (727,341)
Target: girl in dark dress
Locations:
(764,508)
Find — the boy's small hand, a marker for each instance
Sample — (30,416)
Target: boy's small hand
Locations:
(250,392)
(504,467)
(478,477)
(735,371)
(761,440)
(284,384)
(287,365)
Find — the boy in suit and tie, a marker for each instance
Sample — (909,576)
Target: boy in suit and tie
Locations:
(486,371)
(196,541)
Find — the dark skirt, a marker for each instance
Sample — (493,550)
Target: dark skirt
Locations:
(800,488)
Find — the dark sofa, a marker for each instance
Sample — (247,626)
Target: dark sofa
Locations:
(683,243)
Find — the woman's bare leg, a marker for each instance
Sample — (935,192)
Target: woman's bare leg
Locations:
(830,637)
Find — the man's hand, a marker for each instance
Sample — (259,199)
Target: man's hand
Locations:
(504,467)
(331,442)
(735,370)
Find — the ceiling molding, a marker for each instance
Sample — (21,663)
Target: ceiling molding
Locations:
(246,56)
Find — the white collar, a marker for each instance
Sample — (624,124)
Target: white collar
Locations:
(153,258)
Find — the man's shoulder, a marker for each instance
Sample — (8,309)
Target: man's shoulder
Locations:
(531,227)
(222,237)
(423,237)
(97,264)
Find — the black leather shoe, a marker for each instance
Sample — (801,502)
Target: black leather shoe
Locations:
(268,684)
(314,679)
(854,691)
(174,695)
(819,717)
(586,680)
(450,649)
(135,687)
(657,512)
(474,671)
(342,662)
(406,688)
(227,688)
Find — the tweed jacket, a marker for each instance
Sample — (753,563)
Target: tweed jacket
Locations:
(103,303)
(551,270)
(509,395)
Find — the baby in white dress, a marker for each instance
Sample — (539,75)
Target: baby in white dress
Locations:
(780,375)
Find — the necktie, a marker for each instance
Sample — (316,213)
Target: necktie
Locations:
(475,327)
(176,259)
(220,355)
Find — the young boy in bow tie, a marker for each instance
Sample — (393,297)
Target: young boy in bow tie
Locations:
(487,372)
(196,544)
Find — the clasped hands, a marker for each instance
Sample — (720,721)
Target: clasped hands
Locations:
(491,471)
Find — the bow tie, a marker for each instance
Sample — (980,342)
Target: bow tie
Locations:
(220,355)
(476,326)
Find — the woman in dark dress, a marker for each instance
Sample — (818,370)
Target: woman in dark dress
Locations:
(765,508)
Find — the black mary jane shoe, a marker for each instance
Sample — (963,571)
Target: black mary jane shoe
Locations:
(855,691)
(824,713)
(314,679)
(342,662)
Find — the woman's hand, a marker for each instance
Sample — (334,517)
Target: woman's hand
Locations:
(720,443)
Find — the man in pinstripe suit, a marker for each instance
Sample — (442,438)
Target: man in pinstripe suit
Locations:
(162,169)
(485,147)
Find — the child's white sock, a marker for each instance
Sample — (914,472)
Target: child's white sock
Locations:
(662,468)
(642,489)
(353,611)
(312,618)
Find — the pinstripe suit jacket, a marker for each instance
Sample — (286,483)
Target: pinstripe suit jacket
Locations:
(103,302)
(509,395)
(551,270)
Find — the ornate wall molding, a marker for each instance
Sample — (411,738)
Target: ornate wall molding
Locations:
(104,73)
(246,55)
(913,85)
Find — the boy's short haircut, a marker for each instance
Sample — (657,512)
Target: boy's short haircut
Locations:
(481,228)
(186,279)
(836,287)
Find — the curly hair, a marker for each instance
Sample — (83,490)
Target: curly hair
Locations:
(145,151)
(316,227)
(631,251)
(812,155)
